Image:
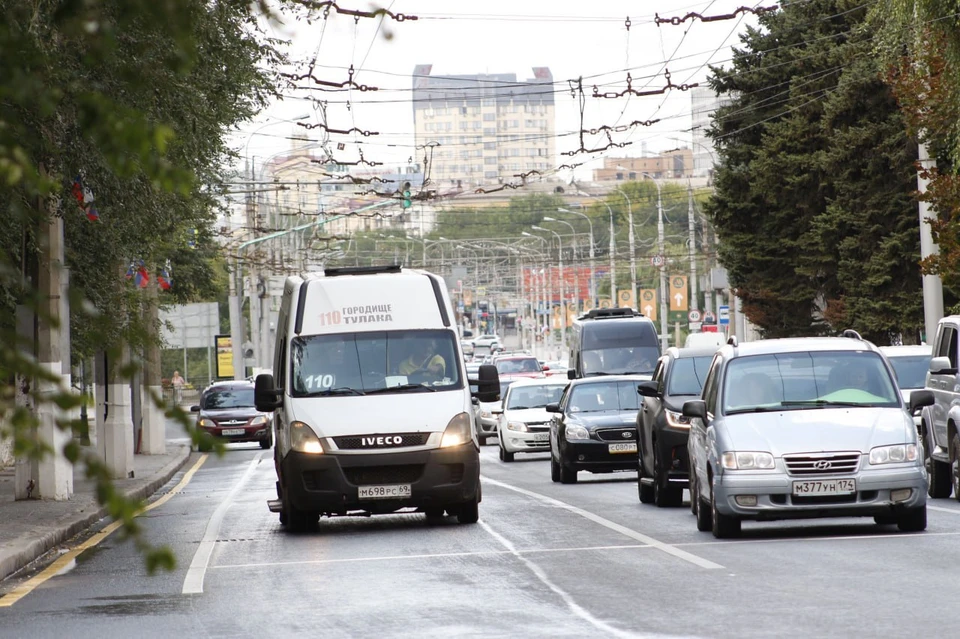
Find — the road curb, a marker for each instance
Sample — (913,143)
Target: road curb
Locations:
(15,561)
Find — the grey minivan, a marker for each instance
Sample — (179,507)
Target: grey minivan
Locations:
(802,428)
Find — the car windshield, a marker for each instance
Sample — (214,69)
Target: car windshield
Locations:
(687,375)
(232,398)
(793,381)
(534,396)
(911,370)
(604,396)
(620,360)
(518,365)
(382,362)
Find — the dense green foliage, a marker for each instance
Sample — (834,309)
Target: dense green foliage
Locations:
(813,202)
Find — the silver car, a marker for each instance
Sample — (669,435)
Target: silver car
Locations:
(803,428)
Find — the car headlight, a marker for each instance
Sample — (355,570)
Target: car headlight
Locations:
(896,454)
(574,431)
(304,440)
(519,426)
(457,432)
(206,423)
(259,420)
(676,420)
(747,461)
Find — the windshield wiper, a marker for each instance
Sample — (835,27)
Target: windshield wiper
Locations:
(342,390)
(753,409)
(636,373)
(819,402)
(402,388)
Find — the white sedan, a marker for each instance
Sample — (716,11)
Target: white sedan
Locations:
(523,424)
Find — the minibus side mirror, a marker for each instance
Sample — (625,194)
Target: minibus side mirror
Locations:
(266,397)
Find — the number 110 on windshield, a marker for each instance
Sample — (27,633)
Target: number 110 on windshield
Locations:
(328,319)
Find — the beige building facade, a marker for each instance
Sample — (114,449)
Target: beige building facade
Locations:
(484,129)
(677,163)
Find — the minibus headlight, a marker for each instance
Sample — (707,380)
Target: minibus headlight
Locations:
(304,440)
(457,432)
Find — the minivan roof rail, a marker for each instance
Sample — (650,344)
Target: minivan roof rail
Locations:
(361,270)
(732,341)
(606,313)
(852,334)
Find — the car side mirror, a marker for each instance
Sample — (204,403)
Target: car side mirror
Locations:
(194,409)
(695,408)
(553,408)
(941,366)
(546,368)
(919,399)
(648,389)
(497,411)
(266,397)
(571,374)
(487,383)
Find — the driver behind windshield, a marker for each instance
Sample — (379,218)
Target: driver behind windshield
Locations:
(424,359)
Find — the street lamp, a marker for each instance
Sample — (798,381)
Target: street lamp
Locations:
(633,251)
(663,272)
(593,266)
(612,249)
(542,257)
(563,288)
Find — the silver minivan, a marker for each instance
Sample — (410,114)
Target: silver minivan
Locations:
(802,428)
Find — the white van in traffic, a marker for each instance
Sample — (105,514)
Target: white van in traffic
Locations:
(372,411)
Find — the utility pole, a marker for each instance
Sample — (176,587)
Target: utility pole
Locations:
(633,250)
(691,228)
(154,439)
(932,284)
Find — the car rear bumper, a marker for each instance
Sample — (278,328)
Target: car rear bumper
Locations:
(329,484)
(776,501)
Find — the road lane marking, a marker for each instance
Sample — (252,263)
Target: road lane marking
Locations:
(193,582)
(67,558)
(574,607)
(940,509)
(441,555)
(740,542)
(606,523)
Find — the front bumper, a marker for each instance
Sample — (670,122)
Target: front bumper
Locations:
(487,426)
(595,456)
(329,483)
(525,441)
(776,501)
(257,433)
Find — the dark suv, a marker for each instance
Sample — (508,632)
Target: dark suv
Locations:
(662,429)
(226,411)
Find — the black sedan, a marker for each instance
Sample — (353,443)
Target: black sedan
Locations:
(594,427)
(663,430)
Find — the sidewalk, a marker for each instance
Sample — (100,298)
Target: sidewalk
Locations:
(32,527)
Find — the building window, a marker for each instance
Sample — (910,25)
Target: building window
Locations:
(490,132)
(463,110)
(490,175)
(489,102)
(489,146)
(632,175)
(463,125)
(474,110)
(619,175)
(489,117)
(447,126)
(477,125)
(490,160)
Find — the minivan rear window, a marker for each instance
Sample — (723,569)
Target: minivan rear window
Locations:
(610,333)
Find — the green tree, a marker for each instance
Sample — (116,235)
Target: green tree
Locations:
(813,193)
(136,98)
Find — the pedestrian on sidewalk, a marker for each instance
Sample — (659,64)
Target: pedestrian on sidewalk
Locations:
(177,382)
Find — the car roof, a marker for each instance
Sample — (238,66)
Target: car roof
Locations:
(693,351)
(609,378)
(907,350)
(540,381)
(796,345)
(233,384)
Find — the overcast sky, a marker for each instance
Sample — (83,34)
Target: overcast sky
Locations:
(574,39)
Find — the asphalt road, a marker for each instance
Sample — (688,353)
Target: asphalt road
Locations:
(546,560)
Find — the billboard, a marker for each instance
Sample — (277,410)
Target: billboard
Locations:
(224,357)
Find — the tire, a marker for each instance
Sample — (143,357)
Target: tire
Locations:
(434,513)
(955,465)
(204,446)
(265,444)
(664,495)
(504,455)
(296,520)
(724,526)
(704,518)
(469,512)
(554,470)
(940,482)
(644,492)
(482,440)
(913,520)
(567,476)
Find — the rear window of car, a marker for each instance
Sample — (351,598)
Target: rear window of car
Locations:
(518,365)
(687,375)
(911,370)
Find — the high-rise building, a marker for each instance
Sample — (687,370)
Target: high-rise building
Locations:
(703,103)
(483,129)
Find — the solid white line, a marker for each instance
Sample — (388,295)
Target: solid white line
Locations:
(442,555)
(193,583)
(567,599)
(740,542)
(623,530)
(940,509)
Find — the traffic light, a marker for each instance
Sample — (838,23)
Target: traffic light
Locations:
(405,202)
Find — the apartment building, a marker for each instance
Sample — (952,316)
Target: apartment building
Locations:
(703,104)
(673,164)
(484,129)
